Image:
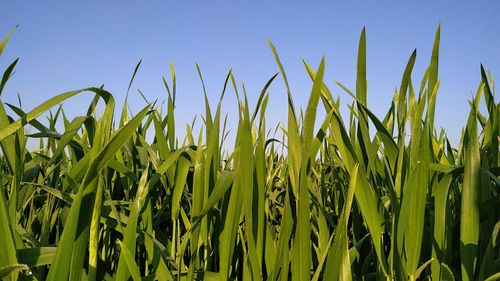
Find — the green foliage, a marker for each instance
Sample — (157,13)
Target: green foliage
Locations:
(101,201)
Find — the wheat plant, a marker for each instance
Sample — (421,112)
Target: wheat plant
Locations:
(368,198)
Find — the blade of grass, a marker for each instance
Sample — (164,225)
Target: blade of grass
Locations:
(470,203)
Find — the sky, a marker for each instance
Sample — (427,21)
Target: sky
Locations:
(68,45)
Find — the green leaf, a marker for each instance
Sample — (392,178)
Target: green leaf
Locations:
(34,257)
(129,237)
(5,40)
(493,277)
(180,180)
(133,75)
(7,74)
(8,254)
(442,236)
(361,83)
(301,267)
(9,269)
(471,199)
(131,265)
(338,264)
(229,231)
(433,75)
(39,110)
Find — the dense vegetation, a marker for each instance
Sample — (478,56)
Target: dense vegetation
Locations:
(102,201)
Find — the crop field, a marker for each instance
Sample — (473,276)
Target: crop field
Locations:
(116,196)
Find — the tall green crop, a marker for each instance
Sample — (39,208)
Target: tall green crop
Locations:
(367,198)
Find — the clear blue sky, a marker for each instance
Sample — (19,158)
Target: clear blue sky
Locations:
(65,45)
